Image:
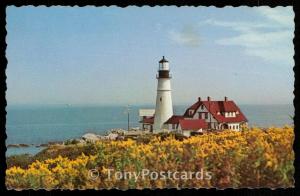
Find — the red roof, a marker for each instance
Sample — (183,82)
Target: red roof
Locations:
(193,124)
(219,106)
(174,119)
(148,120)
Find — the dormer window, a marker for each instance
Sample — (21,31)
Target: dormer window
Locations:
(230,114)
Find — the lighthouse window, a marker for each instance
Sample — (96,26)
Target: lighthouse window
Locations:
(160,99)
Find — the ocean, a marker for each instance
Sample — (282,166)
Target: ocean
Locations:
(41,124)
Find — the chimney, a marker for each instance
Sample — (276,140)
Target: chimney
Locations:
(225,99)
(208,98)
(199,98)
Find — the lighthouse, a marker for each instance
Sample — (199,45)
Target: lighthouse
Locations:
(164,107)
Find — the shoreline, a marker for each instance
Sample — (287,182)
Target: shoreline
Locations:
(109,135)
(112,134)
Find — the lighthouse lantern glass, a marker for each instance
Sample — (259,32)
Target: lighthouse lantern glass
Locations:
(164,66)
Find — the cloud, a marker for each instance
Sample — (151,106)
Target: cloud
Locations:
(188,36)
(269,39)
(281,15)
(238,25)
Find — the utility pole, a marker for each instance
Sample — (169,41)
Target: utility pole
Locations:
(209,113)
(127,111)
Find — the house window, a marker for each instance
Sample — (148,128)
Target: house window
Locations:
(173,126)
(191,112)
(199,113)
(206,115)
(202,107)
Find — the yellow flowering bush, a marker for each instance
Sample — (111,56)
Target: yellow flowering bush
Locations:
(249,158)
(52,173)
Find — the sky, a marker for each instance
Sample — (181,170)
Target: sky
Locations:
(109,55)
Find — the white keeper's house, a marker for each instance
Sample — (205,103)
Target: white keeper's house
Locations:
(217,115)
(204,115)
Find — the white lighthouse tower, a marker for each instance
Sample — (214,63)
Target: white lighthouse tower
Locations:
(164,107)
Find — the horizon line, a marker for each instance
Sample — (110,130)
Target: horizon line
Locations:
(124,104)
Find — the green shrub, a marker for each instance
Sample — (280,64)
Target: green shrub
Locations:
(22,160)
